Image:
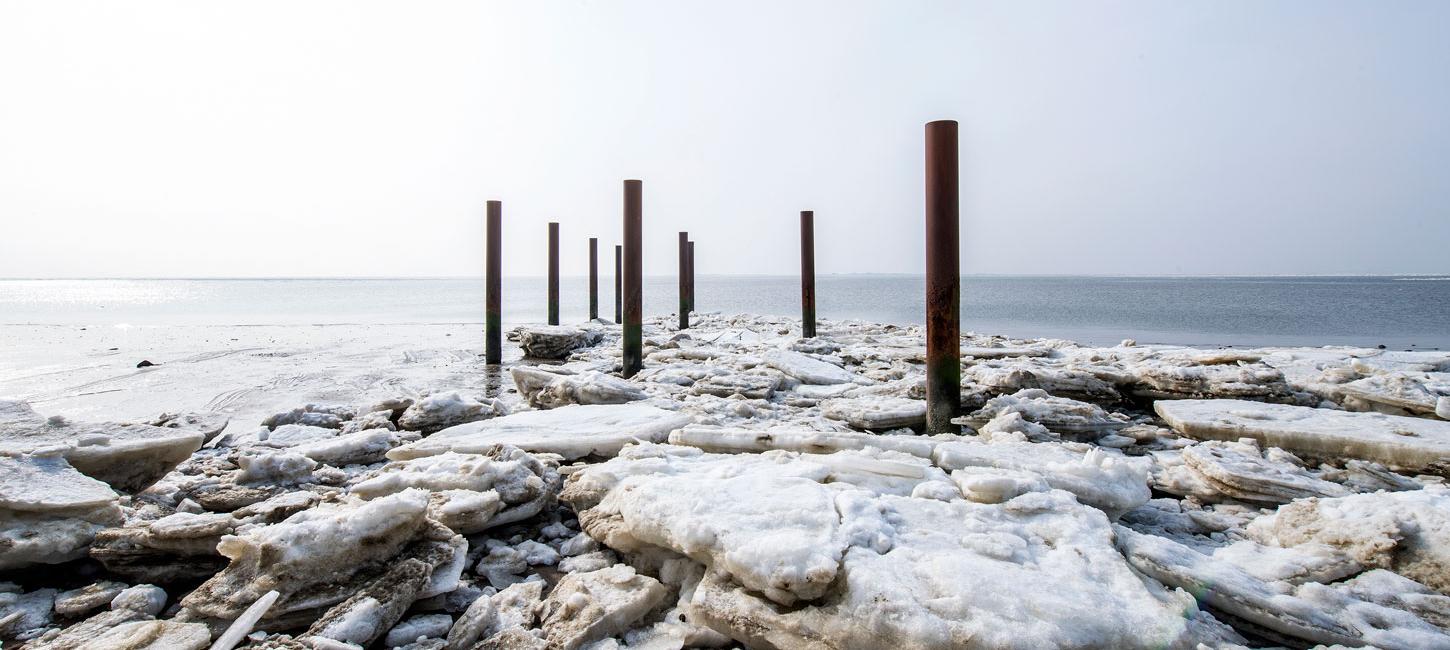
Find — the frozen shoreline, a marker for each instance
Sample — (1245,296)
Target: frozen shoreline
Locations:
(1275,496)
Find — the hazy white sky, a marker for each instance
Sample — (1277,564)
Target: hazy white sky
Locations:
(357,138)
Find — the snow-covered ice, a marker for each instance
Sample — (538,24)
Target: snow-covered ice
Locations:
(383,487)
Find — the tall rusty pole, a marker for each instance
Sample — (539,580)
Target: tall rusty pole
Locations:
(618,284)
(684,280)
(553,273)
(943,273)
(633,267)
(493,302)
(593,278)
(690,265)
(808,274)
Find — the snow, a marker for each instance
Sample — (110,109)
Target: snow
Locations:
(570,431)
(1409,443)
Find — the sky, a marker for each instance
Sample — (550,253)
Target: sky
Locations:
(356,138)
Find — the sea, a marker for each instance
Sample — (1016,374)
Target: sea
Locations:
(1408,312)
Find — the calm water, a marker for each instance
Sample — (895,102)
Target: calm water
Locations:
(1397,312)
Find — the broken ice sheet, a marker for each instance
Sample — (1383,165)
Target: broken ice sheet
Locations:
(917,572)
(571,431)
(1415,444)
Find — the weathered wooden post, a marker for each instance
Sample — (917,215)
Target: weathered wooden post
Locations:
(553,273)
(593,278)
(684,280)
(943,273)
(690,264)
(618,283)
(493,302)
(633,294)
(808,274)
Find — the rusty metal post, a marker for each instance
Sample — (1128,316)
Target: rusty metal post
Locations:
(943,279)
(690,266)
(593,278)
(618,283)
(553,273)
(684,280)
(493,302)
(808,274)
(633,292)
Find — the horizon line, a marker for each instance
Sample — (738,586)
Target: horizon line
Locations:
(1445,275)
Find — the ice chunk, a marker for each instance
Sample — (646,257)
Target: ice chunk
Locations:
(1399,393)
(280,467)
(1239,471)
(361,448)
(147,599)
(442,410)
(471,492)
(995,485)
(310,557)
(1414,444)
(129,457)
(554,341)
(87,599)
(718,439)
(1015,375)
(151,635)
(1059,414)
(1406,532)
(49,512)
(180,546)
(370,612)
(1311,611)
(547,390)
(587,607)
(786,549)
(420,626)
(1305,563)
(876,412)
(24,616)
(1169,378)
(747,385)
(312,415)
(1103,479)
(570,431)
(807,369)
(930,574)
